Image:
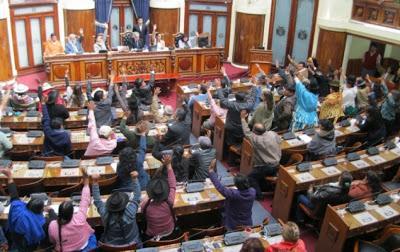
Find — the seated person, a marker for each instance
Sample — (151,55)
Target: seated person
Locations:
(349,94)
(75,97)
(5,143)
(118,214)
(332,106)
(74,43)
(264,112)
(238,202)
(318,198)
(20,100)
(26,222)
(157,40)
(323,143)
(133,136)
(266,153)
(136,43)
(178,131)
(101,40)
(284,108)
(71,231)
(373,124)
(186,42)
(389,109)
(53,47)
(215,111)
(103,101)
(201,159)
(158,208)
(129,161)
(291,240)
(168,110)
(201,97)
(54,109)
(366,187)
(103,142)
(252,245)
(143,90)
(57,141)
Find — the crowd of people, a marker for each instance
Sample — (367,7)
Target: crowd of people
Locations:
(307,98)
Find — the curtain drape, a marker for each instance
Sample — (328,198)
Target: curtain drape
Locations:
(142,8)
(103,12)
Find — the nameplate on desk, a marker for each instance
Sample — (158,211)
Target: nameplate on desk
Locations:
(305,138)
(72,172)
(377,159)
(191,198)
(294,142)
(360,164)
(96,170)
(304,177)
(386,212)
(338,133)
(331,170)
(353,129)
(34,173)
(365,218)
(31,119)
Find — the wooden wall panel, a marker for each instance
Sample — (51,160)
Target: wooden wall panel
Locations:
(167,21)
(331,45)
(248,34)
(6,68)
(75,19)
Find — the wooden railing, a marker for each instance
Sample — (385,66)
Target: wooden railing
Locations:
(379,12)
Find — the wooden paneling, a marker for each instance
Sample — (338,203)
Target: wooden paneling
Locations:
(5,69)
(248,34)
(167,21)
(331,45)
(76,19)
(385,13)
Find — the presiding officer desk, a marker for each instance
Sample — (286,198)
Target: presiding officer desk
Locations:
(290,180)
(96,67)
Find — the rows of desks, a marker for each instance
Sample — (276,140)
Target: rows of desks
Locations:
(54,175)
(340,225)
(79,139)
(290,180)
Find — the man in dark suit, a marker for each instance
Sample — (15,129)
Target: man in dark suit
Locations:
(178,132)
(135,42)
(141,29)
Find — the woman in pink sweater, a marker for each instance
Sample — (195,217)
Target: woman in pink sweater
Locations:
(158,209)
(71,232)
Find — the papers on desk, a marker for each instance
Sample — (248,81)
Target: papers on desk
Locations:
(294,142)
(6,209)
(191,198)
(396,151)
(304,177)
(19,166)
(338,133)
(386,212)
(377,159)
(353,129)
(23,139)
(114,166)
(365,218)
(331,170)
(34,173)
(96,170)
(274,239)
(305,138)
(71,172)
(316,166)
(359,164)
(31,119)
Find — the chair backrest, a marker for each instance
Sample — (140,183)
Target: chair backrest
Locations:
(152,243)
(107,185)
(51,158)
(295,159)
(66,192)
(200,233)
(110,247)
(31,187)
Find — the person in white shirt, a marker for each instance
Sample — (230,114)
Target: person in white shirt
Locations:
(186,41)
(349,96)
(101,38)
(157,39)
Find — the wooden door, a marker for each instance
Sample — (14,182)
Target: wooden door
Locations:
(248,34)
(331,46)
(167,21)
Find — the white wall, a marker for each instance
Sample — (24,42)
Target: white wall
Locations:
(172,4)
(358,47)
(258,7)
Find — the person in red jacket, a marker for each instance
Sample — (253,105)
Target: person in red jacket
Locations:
(291,240)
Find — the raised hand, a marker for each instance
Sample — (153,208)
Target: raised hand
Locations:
(243,114)
(91,105)
(157,91)
(134,174)
(166,159)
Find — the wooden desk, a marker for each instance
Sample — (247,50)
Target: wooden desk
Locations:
(200,112)
(54,175)
(219,137)
(96,67)
(79,139)
(291,181)
(339,224)
(22,122)
(262,58)
(207,200)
